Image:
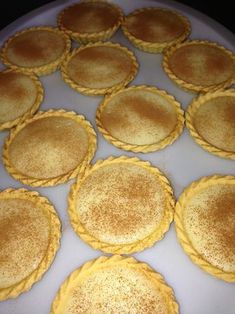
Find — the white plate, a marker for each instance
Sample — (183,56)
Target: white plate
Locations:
(184,161)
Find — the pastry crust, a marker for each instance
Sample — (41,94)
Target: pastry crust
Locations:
(34,107)
(43,69)
(115,264)
(199,87)
(59,178)
(144,148)
(224,129)
(154,46)
(39,201)
(86,37)
(202,257)
(128,72)
(161,203)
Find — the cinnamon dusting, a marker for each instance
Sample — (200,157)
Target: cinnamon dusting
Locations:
(149,110)
(100,67)
(24,236)
(139,117)
(155,25)
(117,289)
(90,17)
(120,203)
(201,64)
(11,88)
(49,147)
(209,218)
(35,48)
(219,215)
(219,131)
(229,115)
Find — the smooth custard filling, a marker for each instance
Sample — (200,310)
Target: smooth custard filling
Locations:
(155,26)
(17,95)
(100,67)
(201,64)
(49,147)
(117,289)
(121,203)
(35,48)
(24,238)
(215,122)
(209,219)
(139,117)
(88,17)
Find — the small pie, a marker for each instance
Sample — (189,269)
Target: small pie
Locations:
(100,68)
(121,205)
(115,285)
(199,66)
(37,49)
(90,21)
(50,148)
(140,118)
(211,121)
(20,96)
(205,225)
(29,240)
(154,29)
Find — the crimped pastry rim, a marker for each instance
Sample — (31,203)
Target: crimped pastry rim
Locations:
(33,108)
(192,109)
(151,46)
(102,262)
(40,70)
(99,91)
(147,147)
(140,245)
(182,233)
(53,246)
(64,177)
(190,86)
(95,36)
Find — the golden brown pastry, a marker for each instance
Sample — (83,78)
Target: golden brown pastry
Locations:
(114,285)
(90,21)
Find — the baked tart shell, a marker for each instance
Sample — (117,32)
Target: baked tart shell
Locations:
(123,248)
(15,173)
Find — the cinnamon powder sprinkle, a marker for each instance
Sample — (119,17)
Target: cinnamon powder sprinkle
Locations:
(117,289)
(121,203)
(201,64)
(90,17)
(24,237)
(219,216)
(11,88)
(139,117)
(219,131)
(210,224)
(35,48)
(155,25)
(100,66)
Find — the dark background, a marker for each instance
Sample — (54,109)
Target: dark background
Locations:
(222,11)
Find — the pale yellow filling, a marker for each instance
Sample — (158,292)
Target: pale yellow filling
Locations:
(35,48)
(117,289)
(155,25)
(209,220)
(24,238)
(100,67)
(90,17)
(121,203)
(17,95)
(139,117)
(215,122)
(202,64)
(49,147)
